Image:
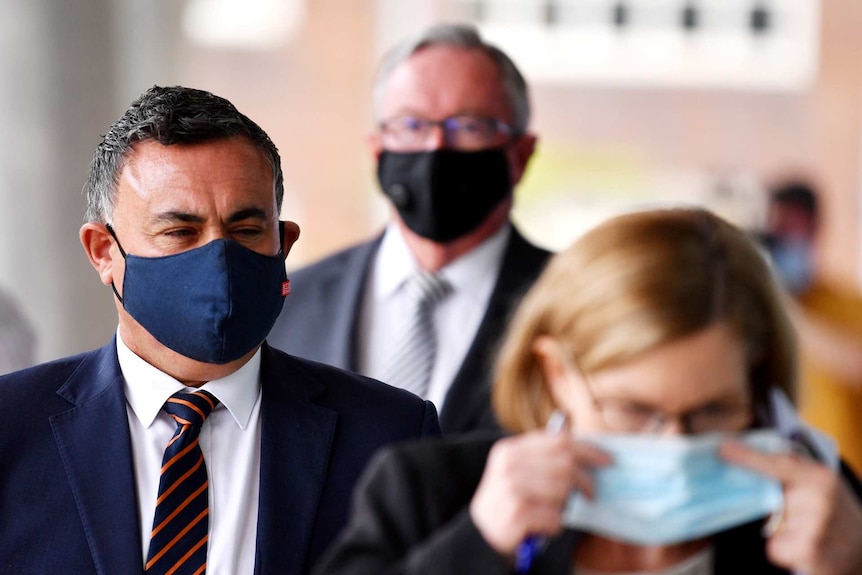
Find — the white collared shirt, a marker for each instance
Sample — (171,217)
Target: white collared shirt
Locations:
(456,318)
(230,441)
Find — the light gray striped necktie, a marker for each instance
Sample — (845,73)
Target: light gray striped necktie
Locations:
(411,358)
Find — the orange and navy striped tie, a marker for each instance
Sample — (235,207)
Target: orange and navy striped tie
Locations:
(178,543)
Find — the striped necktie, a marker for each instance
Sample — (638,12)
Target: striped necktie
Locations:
(411,358)
(178,542)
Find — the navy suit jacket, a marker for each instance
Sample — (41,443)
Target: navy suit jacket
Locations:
(67,486)
(320,321)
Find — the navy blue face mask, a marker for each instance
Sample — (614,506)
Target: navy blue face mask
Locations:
(212,304)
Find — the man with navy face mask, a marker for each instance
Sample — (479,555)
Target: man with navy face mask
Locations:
(452,141)
(187,445)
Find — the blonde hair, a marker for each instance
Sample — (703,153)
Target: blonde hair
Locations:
(635,283)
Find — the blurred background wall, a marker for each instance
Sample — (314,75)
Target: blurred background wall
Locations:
(635,103)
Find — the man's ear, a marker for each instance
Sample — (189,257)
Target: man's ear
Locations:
(519,154)
(97,244)
(375,145)
(289,235)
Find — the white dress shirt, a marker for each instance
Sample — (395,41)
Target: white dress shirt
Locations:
(230,441)
(456,318)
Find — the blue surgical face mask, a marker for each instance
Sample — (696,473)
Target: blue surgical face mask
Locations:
(212,304)
(662,491)
(793,262)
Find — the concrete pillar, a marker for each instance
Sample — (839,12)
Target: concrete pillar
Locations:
(59,91)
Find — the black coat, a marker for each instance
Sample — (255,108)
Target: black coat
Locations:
(410,517)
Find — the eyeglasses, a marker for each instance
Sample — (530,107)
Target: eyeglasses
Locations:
(410,133)
(630,417)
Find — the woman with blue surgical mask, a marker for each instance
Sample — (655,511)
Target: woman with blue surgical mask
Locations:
(645,382)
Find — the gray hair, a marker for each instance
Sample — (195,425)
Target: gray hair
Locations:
(169,115)
(462,36)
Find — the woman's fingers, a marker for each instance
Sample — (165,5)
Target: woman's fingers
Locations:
(781,466)
(525,485)
(820,526)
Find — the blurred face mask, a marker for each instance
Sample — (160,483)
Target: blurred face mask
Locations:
(793,262)
(662,491)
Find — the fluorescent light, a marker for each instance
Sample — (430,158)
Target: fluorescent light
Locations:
(243,24)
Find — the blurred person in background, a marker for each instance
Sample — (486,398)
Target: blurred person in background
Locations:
(827,317)
(661,339)
(422,306)
(186,443)
(17,339)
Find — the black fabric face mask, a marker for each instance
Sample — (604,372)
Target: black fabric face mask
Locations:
(444,194)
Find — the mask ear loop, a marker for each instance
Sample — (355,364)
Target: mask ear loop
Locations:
(111,231)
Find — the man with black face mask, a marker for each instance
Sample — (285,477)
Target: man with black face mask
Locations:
(451,143)
(187,443)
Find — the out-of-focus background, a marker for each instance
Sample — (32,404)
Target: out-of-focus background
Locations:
(636,102)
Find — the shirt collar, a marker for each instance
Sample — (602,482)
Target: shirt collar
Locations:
(480,265)
(147,388)
(395,263)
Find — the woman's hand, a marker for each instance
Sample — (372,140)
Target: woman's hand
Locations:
(820,531)
(526,483)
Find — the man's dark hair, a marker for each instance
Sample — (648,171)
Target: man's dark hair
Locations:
(170,115)
(796,194)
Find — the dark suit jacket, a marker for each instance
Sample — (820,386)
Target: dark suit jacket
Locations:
(67,486)
(320,321)
(410,517)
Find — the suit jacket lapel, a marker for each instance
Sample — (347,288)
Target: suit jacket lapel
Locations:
(339,305)
(355,276)
(295,447)
(469,395)
(95,446)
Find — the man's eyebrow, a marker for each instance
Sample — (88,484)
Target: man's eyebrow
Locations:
(169,217)
(248,213)
(238,216)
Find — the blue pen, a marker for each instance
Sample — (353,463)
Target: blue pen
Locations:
(526,553)
(532,546)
